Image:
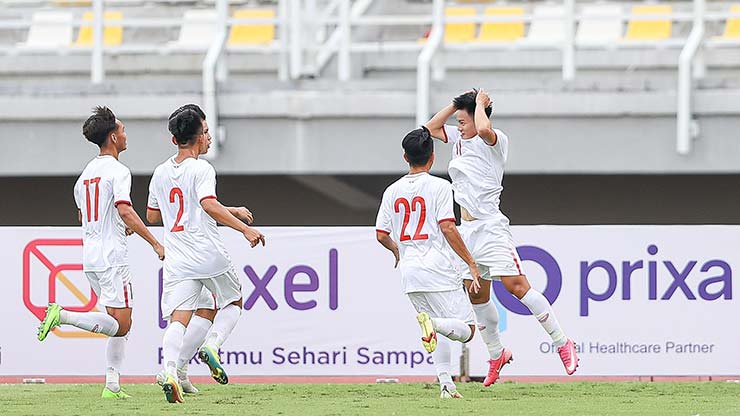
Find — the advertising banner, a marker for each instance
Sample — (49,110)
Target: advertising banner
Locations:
(637,300)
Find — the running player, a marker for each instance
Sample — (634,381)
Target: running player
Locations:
(102,195)
(202,319)
(479,153)
(417,224)
(182,194)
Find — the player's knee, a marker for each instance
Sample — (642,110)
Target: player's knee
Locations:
(478,298)
(123,328)
(518,289)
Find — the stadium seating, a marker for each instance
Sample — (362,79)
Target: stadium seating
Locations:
(501,31)
(197,31)
(459,32)
(732,28)
(650,30)
(112,35)
(49,30)
(601,25)
(252,34)
(547,24)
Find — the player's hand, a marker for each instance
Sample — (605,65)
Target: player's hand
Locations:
(128,231)
(159,249)
(244,214)
(475,286)
(482,98)
(254,237)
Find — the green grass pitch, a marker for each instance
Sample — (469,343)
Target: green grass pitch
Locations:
(510,399)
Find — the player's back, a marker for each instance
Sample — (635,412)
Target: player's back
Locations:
(193,245)
(104,183)
(414,206)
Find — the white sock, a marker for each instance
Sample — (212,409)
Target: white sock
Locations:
(541,309)
(225,321)
(487,317)
(194,338)
(96,322)
(114,353)
(451,328)
(171,346)
(442,357)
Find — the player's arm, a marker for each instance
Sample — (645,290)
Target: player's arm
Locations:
(242,213)
(135,224)
(79,215)
(482,122)
(436,125)
(387,242)
(449,230)
(222,215)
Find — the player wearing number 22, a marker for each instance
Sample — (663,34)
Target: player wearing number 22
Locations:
(102,197)
(417,223)
(182,194)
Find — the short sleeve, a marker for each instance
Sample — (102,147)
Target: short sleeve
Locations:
(445,207)
(122,186)
(502,143)
(452,134)
(205,183)
(383,222)
(152,202)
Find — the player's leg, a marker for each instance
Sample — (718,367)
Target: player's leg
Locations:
(228,292)
(179,301)
(195,336)
(442,357)
(486,315)
(451,314)
(541,309)
(97,322)
(117,297)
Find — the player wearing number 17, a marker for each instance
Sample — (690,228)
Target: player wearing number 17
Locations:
(182,194)
(417,223)
(105,212)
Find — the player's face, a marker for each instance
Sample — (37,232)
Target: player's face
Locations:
(205,139)
(465,124)
(120,136)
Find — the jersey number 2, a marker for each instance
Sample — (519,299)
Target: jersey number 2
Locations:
(407,208)
(87,183)
(177,192)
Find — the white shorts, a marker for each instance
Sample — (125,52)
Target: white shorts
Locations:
(191,294)
(112,286)
(448,304)
(491,245)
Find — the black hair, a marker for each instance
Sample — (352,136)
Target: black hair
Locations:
(467,102)
(186,123)
(99,125)
(418,145)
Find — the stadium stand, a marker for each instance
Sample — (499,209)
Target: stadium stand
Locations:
(504,31)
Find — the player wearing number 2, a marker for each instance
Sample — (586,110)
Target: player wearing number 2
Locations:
(182,194)
(102,197)
(416,222)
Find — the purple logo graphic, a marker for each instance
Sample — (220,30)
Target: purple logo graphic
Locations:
(552,271)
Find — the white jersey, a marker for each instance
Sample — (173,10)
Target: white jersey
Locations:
(477,172)
(104,183)
(411,211)
(193,246)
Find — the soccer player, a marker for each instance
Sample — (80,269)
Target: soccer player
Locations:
(416,223)
(104,210)
(479,153)
(202,319)
(182,194)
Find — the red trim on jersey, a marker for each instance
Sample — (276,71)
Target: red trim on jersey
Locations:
(208,197)
(445,220)
(153,209)
(384,232)
(444,132)
(123,201)
(125,295)
(516,261)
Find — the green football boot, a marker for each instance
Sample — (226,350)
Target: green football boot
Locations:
(210,356)
(108,394)
(51,320)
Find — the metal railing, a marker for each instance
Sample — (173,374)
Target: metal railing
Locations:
(310,36)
